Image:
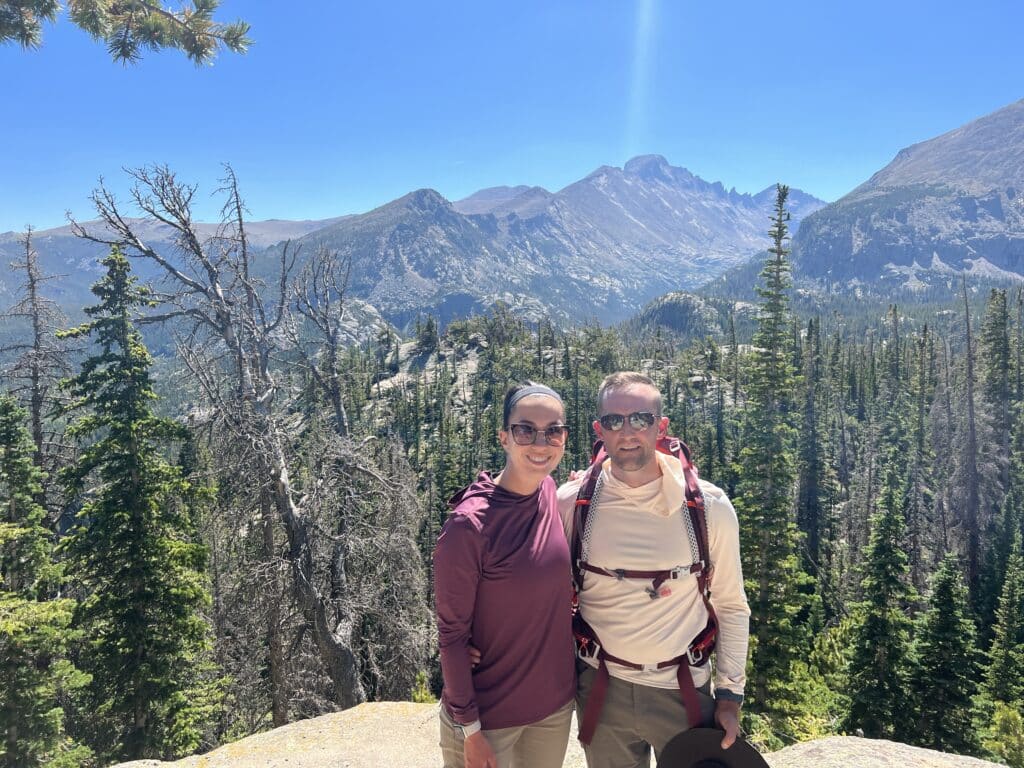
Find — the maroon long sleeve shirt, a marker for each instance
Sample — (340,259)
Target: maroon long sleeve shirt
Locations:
(502,582)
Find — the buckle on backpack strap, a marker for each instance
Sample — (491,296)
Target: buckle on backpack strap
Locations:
(696,656)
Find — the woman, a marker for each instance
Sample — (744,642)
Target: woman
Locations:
(501,579)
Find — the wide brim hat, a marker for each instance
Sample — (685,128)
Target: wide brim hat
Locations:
(702,748)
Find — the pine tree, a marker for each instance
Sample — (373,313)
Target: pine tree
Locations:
(945,677)
(919,495)
(1004,531)
(775,580)
(967,476)
(34,631)
(814,476)
(129,29)
(131,549)
(1004,677)
(877,677)
(996,376)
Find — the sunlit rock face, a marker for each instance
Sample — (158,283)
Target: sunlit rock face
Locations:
(405,735)
(599,249)
(949,205)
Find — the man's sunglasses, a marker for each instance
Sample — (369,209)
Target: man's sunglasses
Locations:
(638,420)
(526,434)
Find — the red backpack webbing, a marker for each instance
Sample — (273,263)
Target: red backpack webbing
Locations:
(694,504)
(587,642)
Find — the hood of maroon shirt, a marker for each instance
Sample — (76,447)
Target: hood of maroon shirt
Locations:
(484,487)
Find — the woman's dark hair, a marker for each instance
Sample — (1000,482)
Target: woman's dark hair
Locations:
(524,389)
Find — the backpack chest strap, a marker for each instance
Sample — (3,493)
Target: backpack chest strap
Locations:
(657,577)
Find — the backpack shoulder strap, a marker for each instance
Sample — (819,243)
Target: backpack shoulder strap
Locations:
(695,506)
(582,509)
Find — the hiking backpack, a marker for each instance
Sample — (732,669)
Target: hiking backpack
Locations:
(587,643)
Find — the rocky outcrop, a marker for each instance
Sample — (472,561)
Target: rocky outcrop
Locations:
(851,752)
(404,735)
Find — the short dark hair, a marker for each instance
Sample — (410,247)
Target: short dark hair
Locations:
(623,380)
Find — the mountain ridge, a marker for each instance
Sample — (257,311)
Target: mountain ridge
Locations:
(951,204)
(598,249)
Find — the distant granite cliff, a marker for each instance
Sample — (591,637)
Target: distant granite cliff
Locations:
(949,205)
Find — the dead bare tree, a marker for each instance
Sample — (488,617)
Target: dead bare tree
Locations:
(215,290)
(40,361)
(319,297)
(368,536)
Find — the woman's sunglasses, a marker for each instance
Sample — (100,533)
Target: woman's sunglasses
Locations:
(526,434)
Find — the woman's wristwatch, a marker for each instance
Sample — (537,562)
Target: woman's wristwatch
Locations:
(468,729)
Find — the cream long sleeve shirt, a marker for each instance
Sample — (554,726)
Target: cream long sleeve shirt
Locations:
(646,528)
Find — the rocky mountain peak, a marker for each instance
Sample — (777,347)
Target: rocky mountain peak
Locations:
(489,199)
(501,200)
(424,201)
(649,168)
(983,155)
(941,207)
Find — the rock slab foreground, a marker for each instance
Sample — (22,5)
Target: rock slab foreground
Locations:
(405,735)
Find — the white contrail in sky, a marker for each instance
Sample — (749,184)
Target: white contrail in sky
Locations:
(643,55)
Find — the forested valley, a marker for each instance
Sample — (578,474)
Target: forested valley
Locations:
(234,531)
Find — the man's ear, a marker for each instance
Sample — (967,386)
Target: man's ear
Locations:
(663,426)
(597,429)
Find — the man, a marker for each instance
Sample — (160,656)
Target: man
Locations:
(638,521)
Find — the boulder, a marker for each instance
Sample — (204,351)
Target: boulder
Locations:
(405,735)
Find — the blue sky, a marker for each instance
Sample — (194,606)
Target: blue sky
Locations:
(340,107)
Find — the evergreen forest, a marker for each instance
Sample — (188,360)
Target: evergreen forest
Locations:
(219,513)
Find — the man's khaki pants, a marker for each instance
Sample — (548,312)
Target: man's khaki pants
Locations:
(538,745)
(634,719)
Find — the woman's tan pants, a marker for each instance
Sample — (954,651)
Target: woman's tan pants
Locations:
(538,745)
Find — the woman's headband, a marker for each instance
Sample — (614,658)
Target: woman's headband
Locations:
(533,389)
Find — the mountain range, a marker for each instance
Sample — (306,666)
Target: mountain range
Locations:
(950,205)
(607,245)
(599,249)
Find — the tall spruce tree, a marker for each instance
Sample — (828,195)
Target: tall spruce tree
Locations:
(945,676)
(997,370)
(1004,676)
(132,550)
(34,630)
(813,474)
(775,581)
(879,668)
(919,494)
